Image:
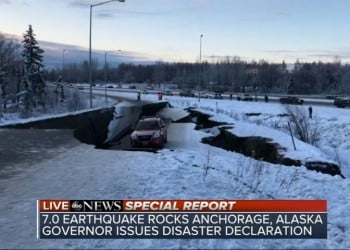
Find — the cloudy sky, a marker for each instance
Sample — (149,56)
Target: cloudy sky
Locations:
(170,30)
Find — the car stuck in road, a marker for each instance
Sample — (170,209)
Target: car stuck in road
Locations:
(149,132)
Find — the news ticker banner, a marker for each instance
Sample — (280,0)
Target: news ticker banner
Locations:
(160,219)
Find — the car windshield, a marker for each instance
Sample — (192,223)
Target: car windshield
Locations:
(147,125)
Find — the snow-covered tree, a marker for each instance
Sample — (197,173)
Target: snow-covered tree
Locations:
(33,81)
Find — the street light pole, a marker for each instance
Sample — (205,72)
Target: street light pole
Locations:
(90,73)
(106,52)
(106,76)
(63,51)
(200,65)
(90,76)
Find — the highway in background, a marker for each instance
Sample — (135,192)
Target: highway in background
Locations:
(318,100)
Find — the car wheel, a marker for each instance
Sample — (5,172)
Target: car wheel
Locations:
(160,145)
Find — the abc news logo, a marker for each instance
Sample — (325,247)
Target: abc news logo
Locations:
(96,205)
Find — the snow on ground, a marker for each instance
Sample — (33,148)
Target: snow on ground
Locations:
(16,117)
(178,174)
(194,171)
(332,123)
(304,152)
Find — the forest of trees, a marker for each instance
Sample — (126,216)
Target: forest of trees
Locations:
(21,74)
(228,75)
(23,87)
(11,70)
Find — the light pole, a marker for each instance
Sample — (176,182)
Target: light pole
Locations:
(63,51)
(90,74)
(200,67)
(106,52)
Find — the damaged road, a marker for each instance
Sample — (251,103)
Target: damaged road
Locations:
(259,148)
(107,129)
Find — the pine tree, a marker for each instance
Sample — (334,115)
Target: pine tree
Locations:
(34,83)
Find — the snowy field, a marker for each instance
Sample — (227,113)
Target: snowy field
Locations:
(195,171)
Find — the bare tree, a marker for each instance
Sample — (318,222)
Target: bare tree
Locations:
(10,64)
(302,125)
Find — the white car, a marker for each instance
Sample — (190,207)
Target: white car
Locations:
(208,95)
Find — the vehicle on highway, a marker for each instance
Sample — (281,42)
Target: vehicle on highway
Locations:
(186,93)
(245,97)
(218,96)
(208,95)
(149,132)
(132,87)
(291,100)
(342,102)
(168,92)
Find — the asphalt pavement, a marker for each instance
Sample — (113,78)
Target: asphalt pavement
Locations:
(23,147)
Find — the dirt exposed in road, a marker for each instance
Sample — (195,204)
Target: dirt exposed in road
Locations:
(255,147)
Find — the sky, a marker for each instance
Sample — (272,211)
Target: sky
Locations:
(170,30)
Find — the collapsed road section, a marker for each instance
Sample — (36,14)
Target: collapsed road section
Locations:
(257,147)
(105,127)
(108,126)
